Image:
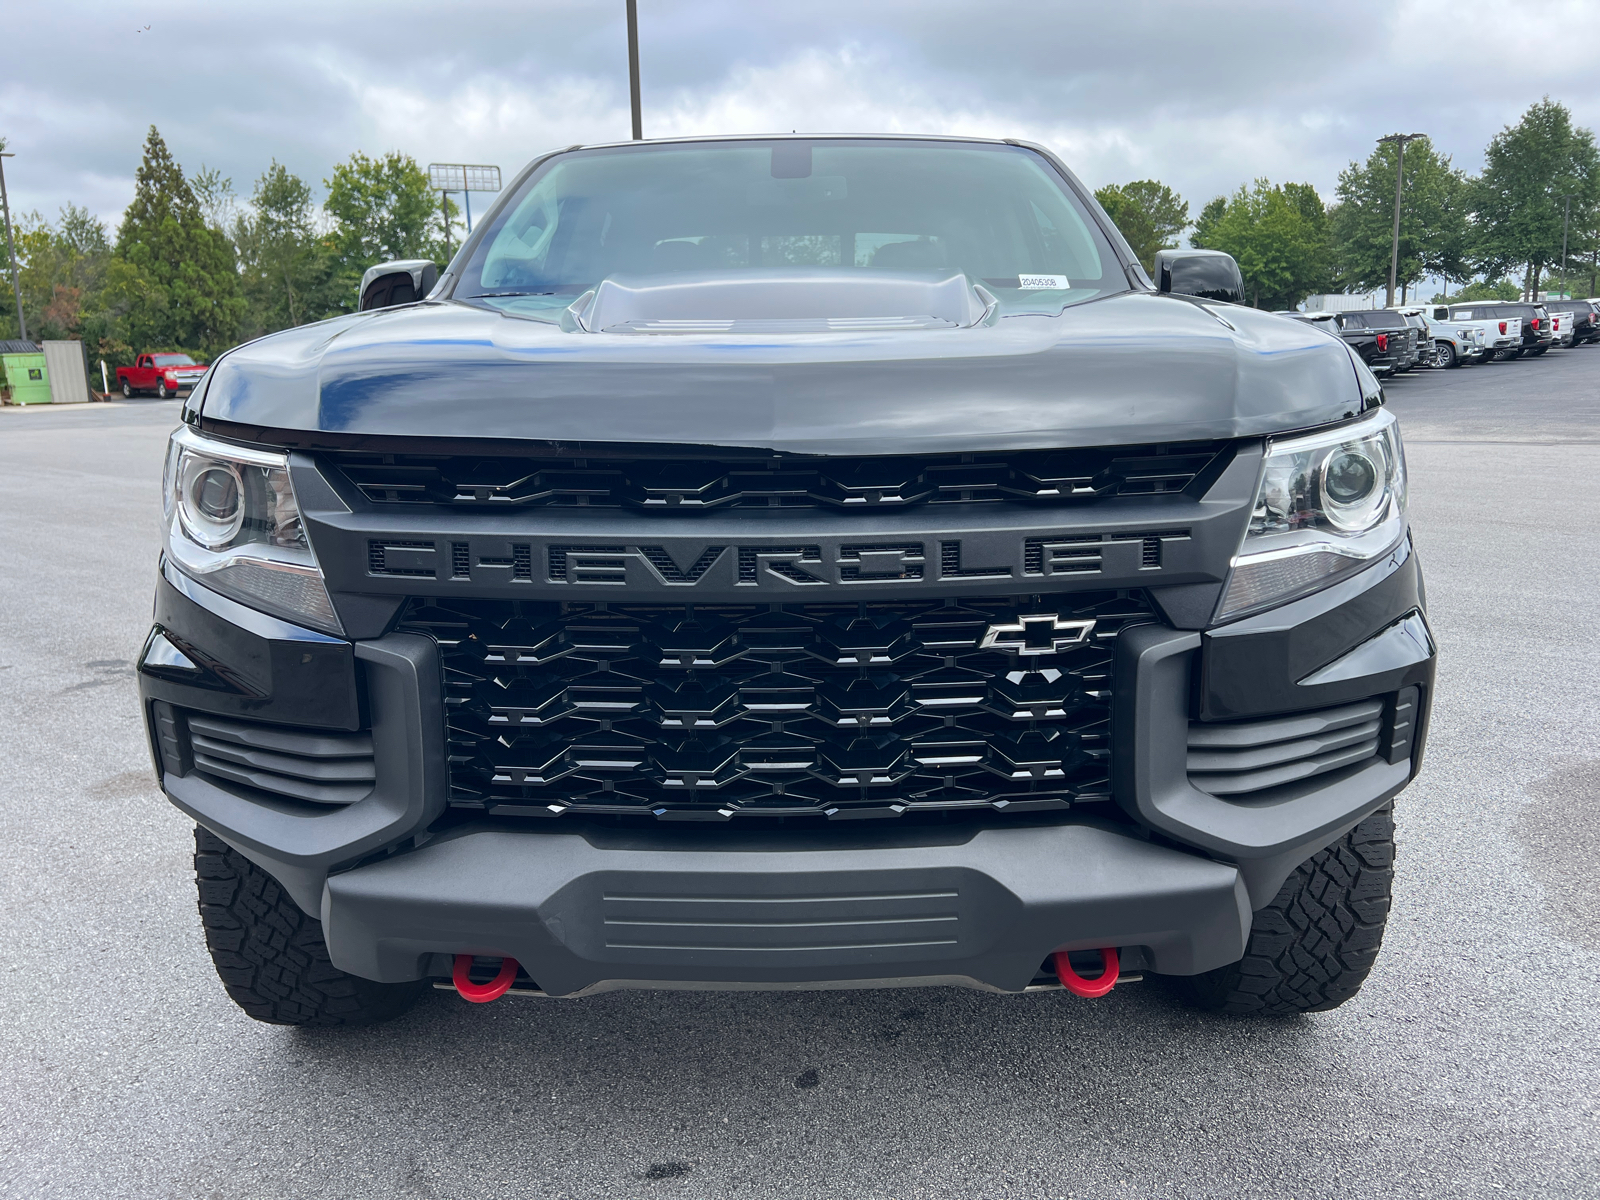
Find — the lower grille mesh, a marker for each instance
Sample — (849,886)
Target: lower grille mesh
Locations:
(823,709)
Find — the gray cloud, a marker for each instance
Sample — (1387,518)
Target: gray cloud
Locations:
(1203,97)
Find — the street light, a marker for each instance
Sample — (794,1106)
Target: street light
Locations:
(1566,215)
(11,248)
(1400,140)
(633,69)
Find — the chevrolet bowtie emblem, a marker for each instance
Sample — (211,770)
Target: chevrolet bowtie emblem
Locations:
(1036,633)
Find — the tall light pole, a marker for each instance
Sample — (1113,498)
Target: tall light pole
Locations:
(1566,215)
(1399,140)
(11,248)
(633,69)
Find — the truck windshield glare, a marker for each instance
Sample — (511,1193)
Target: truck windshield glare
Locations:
(999,214)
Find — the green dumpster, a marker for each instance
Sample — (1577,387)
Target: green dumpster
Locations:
(22,370)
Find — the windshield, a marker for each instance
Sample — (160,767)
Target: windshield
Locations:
(174,360)
(998,213)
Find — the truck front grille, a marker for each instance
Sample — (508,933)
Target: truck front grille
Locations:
(834,710)
(682,485)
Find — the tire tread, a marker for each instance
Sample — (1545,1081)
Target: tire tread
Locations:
(271,956)
(1314,945)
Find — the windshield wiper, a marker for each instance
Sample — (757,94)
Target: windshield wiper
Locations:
(487,295)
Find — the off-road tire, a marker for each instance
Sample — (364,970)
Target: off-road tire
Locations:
(270,955)
(1311,948)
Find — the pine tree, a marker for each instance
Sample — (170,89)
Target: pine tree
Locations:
(177,280)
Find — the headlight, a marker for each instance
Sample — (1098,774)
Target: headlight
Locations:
(1328,503)
(233,524)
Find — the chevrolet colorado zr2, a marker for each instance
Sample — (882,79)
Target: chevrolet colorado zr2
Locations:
(789,562)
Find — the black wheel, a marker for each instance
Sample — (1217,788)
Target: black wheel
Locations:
(1513,354)
(1538,352)
(161,390)
(1311,948)
(270,955)
(1444,355)
(127,391)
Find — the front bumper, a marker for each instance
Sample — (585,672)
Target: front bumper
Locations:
(1170,874)
(586,913)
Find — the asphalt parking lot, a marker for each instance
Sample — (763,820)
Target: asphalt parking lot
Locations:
(1469,1066)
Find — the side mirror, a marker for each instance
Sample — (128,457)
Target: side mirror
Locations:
(1209,274)
(402,282)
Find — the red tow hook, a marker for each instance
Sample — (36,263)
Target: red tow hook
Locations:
(482,993)
(1077,984)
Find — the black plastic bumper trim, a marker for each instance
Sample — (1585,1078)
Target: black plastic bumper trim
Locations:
(984,912)
(299,848)
(1267,840)
(213,654)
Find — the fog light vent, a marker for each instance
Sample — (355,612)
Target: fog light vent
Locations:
(1238,758)
(313,765)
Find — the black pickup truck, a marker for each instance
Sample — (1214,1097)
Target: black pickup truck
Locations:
(1382,350)
(789,563)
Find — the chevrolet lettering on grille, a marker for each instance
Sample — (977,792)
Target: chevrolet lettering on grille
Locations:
(781,565)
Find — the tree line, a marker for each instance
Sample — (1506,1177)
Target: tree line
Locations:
(1506,221)
(194,267)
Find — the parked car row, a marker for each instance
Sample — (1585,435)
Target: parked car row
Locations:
(1392,341)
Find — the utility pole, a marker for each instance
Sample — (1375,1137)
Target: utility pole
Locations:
(633,68)
(11,247)
(1566,215)
(1399,140)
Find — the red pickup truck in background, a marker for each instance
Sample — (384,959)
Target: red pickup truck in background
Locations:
(164,374)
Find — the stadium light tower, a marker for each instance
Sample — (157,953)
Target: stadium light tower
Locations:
(465,178)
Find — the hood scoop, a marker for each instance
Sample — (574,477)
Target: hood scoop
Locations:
(780,302)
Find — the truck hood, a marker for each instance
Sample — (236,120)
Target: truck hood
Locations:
(1132,368)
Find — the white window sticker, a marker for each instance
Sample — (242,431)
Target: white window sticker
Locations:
(1042,281)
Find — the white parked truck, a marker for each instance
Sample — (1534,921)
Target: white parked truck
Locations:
(1500,334)
(1452,342)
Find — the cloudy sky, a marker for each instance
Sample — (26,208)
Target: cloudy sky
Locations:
(1200,95)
